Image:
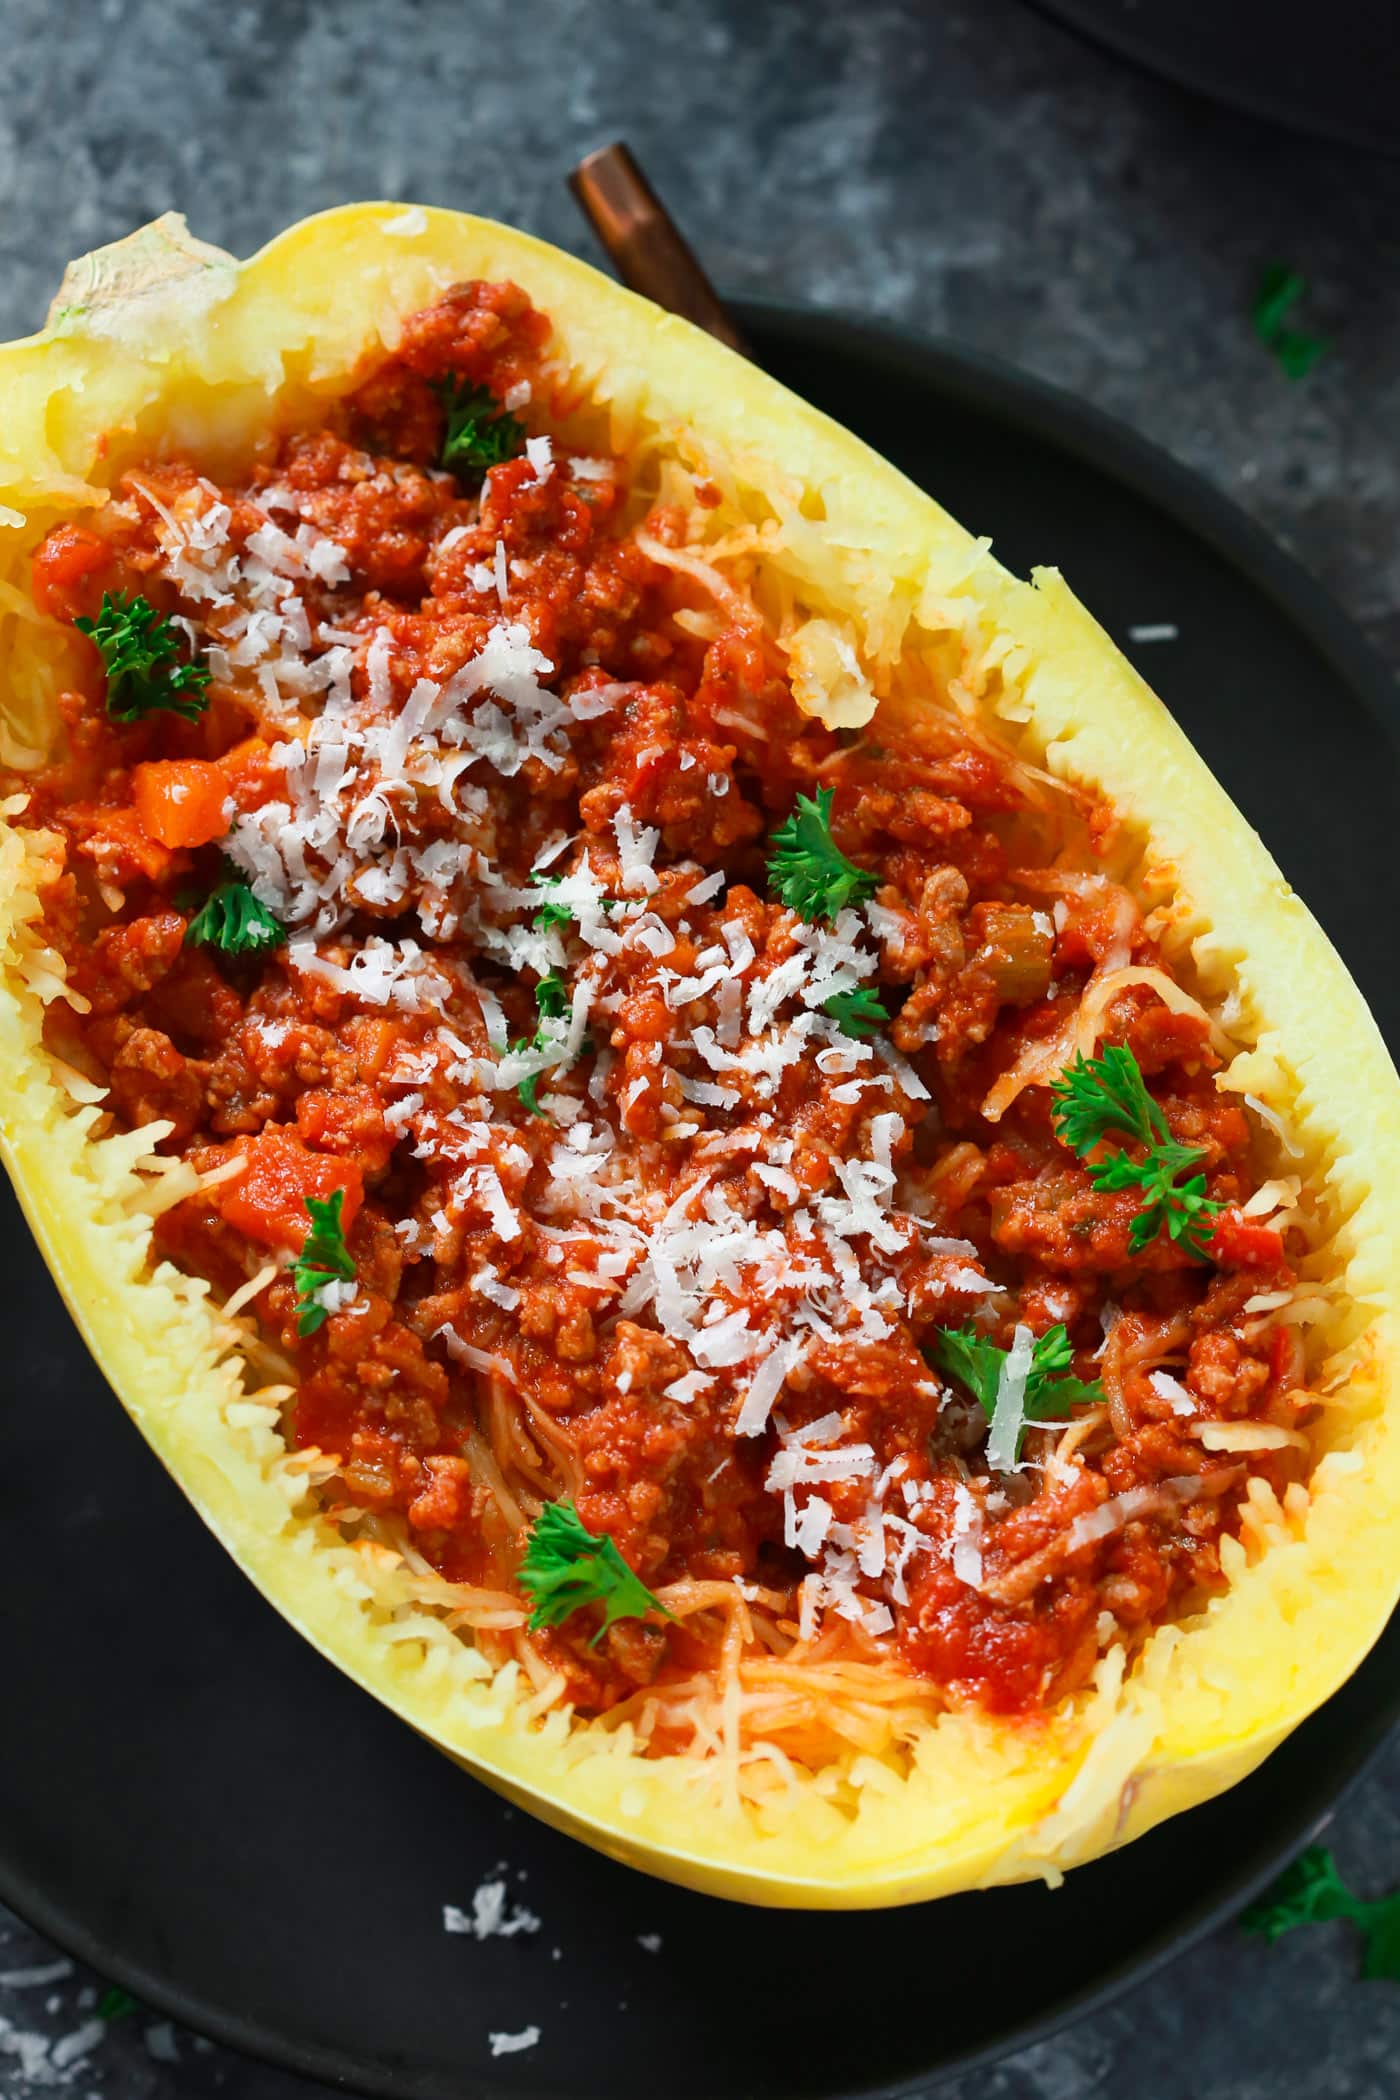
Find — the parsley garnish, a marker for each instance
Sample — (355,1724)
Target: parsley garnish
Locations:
(1098,1095)
(566,1567)
(964,1354)
(136,645)
(115,2003)
(1312,1892)
(858,1013)
(324,1259)
(232,918)
(808,869)
(528,1088)
(552,996)
(1279,291)
(550,915)
(552,1000)
(477,432)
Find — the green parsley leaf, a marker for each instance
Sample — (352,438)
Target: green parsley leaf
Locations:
(807,868)
(115,2003)
(136,646)
(566,1567)
(477,433)
(858,1013)
(1312,1892)
(552,1000)
(552,915)
(1096,1097)
(232,918)
(324,1259)
(1279,291)
(964,1354)
(1181,1209)
(552,997)
(1297,352)
(528,1087)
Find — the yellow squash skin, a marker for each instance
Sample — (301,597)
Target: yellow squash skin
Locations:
(159,339)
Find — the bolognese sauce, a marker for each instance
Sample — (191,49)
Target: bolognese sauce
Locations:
(784,1149)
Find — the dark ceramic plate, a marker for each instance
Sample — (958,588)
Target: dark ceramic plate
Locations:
(195,1803)
(1334,76)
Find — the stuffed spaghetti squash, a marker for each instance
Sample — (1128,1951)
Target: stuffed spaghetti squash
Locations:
(690,1123)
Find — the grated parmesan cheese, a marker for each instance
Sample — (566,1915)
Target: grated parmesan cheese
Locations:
(1009,1416)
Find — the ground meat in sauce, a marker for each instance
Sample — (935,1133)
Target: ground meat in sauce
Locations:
(544,1299)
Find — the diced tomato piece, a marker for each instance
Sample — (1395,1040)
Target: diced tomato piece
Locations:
(62,567)
(268,1200)
(180,801)
(1285,1357)
(375,1040)
(117,841)
(249,774)
(1238,1243)
(347,1121)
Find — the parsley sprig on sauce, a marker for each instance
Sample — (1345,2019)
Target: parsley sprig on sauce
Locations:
(858,1013)
(808,870)
(1099,1097)
(1312,1892)
(964,1354)
(324,1259)
(233,919)
(477,433)
(566,1568)
(552,1002)
(552,996)
(529,1087)
(138,648)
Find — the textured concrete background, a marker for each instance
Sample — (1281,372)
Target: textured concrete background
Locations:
(971,169)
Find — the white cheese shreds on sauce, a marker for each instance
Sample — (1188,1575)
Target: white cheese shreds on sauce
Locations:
(1173,1392)
(767,1383)
(967,1537)
(1009,1415)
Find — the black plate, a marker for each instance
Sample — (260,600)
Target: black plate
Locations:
(196,1804)
(1333,75)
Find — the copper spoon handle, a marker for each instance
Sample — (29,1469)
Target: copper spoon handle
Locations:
(647,247)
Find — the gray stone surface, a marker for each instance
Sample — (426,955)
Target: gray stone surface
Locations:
(971,169)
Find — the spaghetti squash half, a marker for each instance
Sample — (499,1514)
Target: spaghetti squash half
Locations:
(674,1101)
